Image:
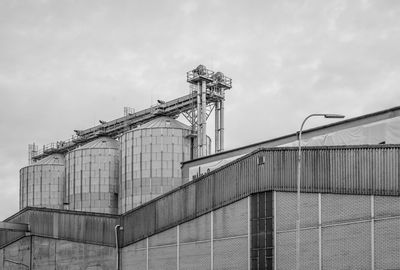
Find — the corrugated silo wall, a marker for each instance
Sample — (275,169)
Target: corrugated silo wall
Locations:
(92,180)
(220,238)
(338,231)
(150,164)
(42,185)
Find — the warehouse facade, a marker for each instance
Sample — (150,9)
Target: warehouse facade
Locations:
(239,216)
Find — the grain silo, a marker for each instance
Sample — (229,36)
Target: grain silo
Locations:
(42,183)
(151,160)
(92,173)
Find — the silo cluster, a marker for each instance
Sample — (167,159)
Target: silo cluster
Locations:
(42,184)
(92,172)
(111,176)
(151,157)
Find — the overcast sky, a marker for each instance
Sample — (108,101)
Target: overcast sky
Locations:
(66,64)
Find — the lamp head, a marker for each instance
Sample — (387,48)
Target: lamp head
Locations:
(333,116)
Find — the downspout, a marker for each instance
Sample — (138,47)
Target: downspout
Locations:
(116,229)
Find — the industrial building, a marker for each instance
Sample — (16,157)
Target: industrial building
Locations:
(145,192)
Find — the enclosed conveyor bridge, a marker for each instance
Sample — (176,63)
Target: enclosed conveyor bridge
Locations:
(207,93)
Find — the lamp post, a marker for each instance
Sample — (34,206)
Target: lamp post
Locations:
(298,182)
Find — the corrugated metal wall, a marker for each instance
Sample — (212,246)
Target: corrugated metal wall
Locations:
(75,226)
(349,170)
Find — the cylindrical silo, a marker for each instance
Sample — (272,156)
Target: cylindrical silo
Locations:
(92,173)
(42,183)
(151,157)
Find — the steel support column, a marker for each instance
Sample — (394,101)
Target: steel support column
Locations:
(198,146)
(203,119)
(222,126)
(217,126)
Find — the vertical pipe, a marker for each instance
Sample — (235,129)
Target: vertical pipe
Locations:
(320,231)
(372,232)
(274,217)
(212,240)
(141,166)
(27,189)
(116,228)
(298,204)
(249,233)
(147,253)
(30,253)
(132,169)
(217,127)
(203,118)
(199,136)
(81,180)
(177,248)
(41,186)
(33,186)
(125,178)
(20,190)
(64,194)
(90,181)
(222,124)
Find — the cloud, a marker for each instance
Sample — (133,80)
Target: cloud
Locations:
(66,64)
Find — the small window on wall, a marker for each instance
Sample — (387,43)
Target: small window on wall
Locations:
(168,123)
(260,160)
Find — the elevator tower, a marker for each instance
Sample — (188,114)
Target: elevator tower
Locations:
(209,88)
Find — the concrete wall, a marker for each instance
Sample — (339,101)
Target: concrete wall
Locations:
(14,256)
(56,254)
(338,231)
(217,240)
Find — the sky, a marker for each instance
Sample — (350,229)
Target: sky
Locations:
(66,64)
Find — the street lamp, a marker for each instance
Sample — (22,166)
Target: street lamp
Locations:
(298,182)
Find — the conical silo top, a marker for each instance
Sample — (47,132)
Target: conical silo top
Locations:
(55,159)
(102,142)
(164,122)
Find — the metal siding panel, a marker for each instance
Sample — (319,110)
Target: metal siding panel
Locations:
(339,169)
(198,229)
